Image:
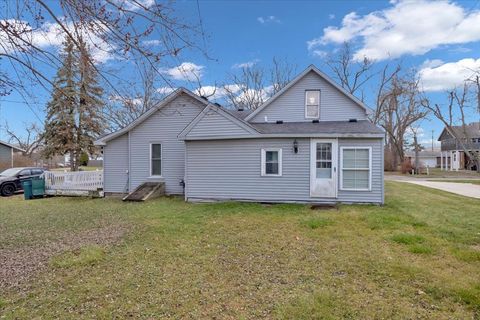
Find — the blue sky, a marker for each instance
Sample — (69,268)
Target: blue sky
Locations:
(441,40)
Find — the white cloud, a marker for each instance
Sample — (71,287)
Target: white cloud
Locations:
(407,27)
(165,90)
(214,92)
(448,75)
(153,42)
(320,53)
(187,71)
(268,19)
(135,5)
(331,16)
(50,35)
(247,64)
(431,63)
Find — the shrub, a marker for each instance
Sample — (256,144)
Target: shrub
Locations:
(406,167)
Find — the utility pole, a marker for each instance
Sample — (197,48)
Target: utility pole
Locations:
(432,139)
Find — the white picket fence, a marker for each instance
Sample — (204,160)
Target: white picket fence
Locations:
(74,183)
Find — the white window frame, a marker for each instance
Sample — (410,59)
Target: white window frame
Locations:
(356,169)
(318,106)
(263,162)
(161,160)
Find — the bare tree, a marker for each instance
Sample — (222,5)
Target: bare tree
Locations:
(121,29)
(398,108)
(461,102)
(351,74)
(29,142)
(254,85)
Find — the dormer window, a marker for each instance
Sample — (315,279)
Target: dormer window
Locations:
(312,104)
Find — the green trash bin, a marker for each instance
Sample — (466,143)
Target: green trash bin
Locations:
(27,189)
(38,187)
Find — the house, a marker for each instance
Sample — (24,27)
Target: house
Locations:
(431,159)
(452,148)
(310,142)
(7,152)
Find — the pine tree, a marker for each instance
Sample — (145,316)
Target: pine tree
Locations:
(73,114)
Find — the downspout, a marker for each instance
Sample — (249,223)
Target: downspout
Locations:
(129,163)
(185,182)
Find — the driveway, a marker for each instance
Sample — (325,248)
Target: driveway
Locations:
(463,189)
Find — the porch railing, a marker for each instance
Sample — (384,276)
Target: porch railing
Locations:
(74,183)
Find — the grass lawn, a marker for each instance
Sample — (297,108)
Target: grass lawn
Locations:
(416,257)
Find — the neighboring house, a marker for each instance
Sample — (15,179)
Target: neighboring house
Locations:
(431,159)
(451,147)
(7,152)
(310,142)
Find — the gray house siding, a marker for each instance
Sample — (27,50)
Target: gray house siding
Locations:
(5,156)
(162,127)
(115,165)
(290,106)
(230,170)
(214,124)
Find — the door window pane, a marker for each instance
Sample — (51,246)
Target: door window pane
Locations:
(324,161)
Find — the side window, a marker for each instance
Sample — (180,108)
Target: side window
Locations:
(37,171)
(25,172)
(155,159)
(312,104)
(271,162)
(356,168)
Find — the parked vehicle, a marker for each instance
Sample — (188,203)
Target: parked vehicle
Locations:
(10,179)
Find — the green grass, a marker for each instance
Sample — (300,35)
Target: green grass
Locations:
(416,257)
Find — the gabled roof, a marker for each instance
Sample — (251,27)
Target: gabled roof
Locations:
(11,146)
(102,140)
(222,111)
(311,68)
(327,127)
(471,130)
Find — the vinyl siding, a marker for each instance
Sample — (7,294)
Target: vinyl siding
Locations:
(215,124)
(162,127)
(290,106)
(5,156)
(230,170)
(115,165)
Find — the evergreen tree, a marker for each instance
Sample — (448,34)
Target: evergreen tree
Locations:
(73,114)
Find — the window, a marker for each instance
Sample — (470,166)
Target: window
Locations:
(324,161)
(156,159)
(25,173)
(37,171)
(356,168)
(312,104)
(271,162)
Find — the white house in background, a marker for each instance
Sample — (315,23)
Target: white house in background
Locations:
(429,159)
(452,148)
(310,143)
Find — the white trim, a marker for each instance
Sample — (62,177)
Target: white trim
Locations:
(313,166)
(103,140)
(161,160)
(290,135)
(318,106)
(218,110)
(263,162)
(369,167)
(300,76)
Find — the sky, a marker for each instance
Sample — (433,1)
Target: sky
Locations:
(440,40)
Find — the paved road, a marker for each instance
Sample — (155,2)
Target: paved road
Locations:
(463,189)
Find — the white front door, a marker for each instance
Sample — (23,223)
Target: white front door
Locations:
(323,168)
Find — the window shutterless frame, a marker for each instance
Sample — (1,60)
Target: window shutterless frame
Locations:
(263,162)
(316,105)
(369,169)
(151,159)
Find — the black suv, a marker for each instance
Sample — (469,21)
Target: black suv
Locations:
(10,179)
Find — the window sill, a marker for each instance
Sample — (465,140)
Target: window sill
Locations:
(344,189)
